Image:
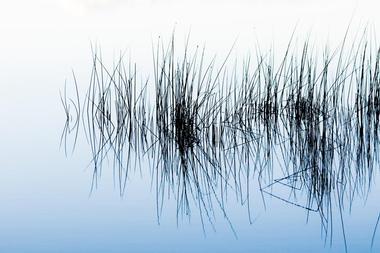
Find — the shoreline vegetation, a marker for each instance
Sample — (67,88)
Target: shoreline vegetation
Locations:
(306,120)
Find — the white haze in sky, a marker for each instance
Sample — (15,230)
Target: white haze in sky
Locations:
(207,16)
(38,32)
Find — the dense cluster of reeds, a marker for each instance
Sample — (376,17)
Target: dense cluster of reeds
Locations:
(308,120)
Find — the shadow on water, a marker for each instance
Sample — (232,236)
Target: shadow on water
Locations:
(307,122)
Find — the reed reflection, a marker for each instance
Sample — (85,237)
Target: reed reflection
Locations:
(307,122)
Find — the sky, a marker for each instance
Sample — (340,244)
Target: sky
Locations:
(209,20)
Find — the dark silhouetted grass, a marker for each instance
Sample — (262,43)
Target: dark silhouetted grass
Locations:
(307,122)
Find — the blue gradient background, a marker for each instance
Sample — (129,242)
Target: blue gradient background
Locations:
(46,205)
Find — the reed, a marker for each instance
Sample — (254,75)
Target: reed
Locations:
(308,121)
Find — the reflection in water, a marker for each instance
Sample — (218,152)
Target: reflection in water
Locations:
(307,122)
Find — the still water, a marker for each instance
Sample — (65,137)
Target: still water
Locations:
(47,201)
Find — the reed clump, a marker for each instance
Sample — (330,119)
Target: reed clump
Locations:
(209,129)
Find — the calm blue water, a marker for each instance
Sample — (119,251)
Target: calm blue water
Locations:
(46,199)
